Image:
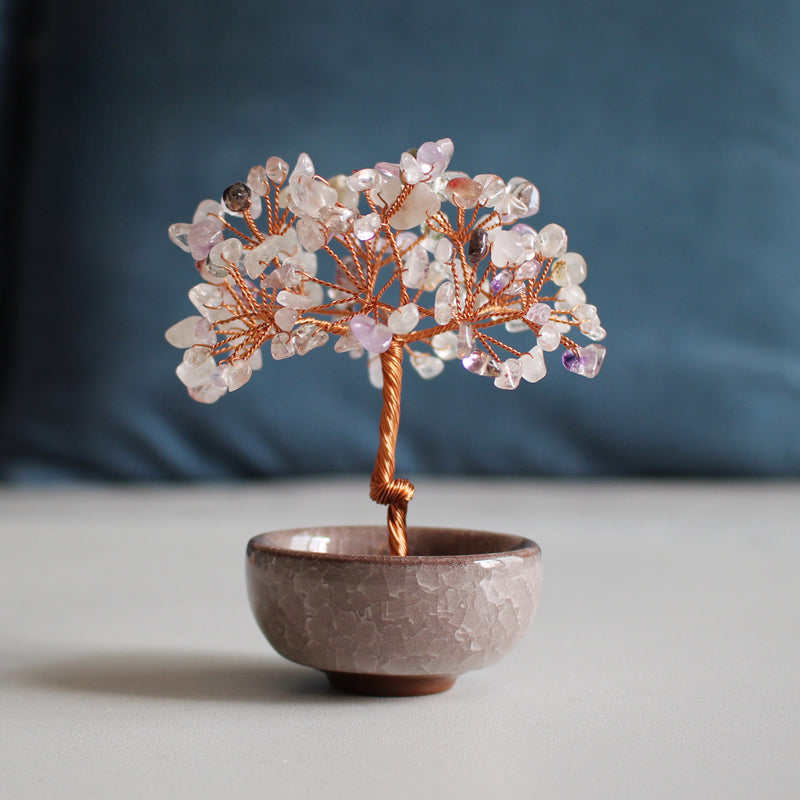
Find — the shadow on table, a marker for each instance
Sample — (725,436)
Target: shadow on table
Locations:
(185,676)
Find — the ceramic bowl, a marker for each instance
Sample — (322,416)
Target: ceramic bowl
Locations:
(334,599)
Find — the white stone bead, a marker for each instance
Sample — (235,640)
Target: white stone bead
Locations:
(551,241)
(191,376)
(209,211)
(528,270)
(207,392)
(344,193)
(364,179)
(236,374)
(308,196)
(205,298)
(415,269)
(311,234)
(179,234)
(285,318)
(569,270)
(308,337)
(426,365)
(510,374)
(507,248)
(437,272)
(256,360)
(433,157)
(367,226)
(257,259)
(493,188)
(182,334)
(585,311)
(281,346)
(337,219)
(538,313)
(255,206)
(527,193)
(445,345)
(292,300)
(549,337)
(515,326)
(465,343)
(421,203)
(443,303)
(258,180)
(410,168)
(290,273)
(303,168)
(593,330)
(348,344)
(314,293)
(444,250)
(388,170)
(375,372)
(570,296)
(277,169)
(196,356)
(404,319)
(533,366)
(204,333)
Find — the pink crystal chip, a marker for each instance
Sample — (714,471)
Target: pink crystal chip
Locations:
(371,335)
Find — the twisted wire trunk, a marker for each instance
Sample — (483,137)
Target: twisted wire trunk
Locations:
(384,487)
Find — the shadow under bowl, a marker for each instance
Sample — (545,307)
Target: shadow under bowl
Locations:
(334,598)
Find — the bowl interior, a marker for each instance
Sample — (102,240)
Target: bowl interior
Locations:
(371,541)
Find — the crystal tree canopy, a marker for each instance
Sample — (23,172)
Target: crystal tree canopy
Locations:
(421,261)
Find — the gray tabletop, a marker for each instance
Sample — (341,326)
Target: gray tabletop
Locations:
(664,661)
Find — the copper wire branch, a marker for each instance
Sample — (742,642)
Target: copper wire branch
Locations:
(384,488)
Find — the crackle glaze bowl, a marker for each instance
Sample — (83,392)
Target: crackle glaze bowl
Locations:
(334,599)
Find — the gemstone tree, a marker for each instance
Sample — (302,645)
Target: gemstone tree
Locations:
(396,237)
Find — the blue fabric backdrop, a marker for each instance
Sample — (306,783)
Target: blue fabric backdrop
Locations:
(664,136)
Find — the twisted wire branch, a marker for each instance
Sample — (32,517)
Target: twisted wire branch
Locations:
(384,488)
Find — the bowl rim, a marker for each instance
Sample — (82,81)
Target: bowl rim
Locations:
(522,546)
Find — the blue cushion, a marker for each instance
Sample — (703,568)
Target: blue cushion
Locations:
(665,139)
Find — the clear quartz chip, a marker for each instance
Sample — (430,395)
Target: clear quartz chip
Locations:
(510,374)
(549,336)
(538,313)
(551,241)
(445,345)
(281,346)
(236,374)
(182,334)
(366,227)
(569,270)
(291,300)
(465,343)
(179,235)
(533,366)
(426,365)
(404,319)
(277,170)
(507,248)
(443,303)
(285,318)
(308,337)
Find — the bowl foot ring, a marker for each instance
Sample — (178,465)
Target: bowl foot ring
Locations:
(390,685)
